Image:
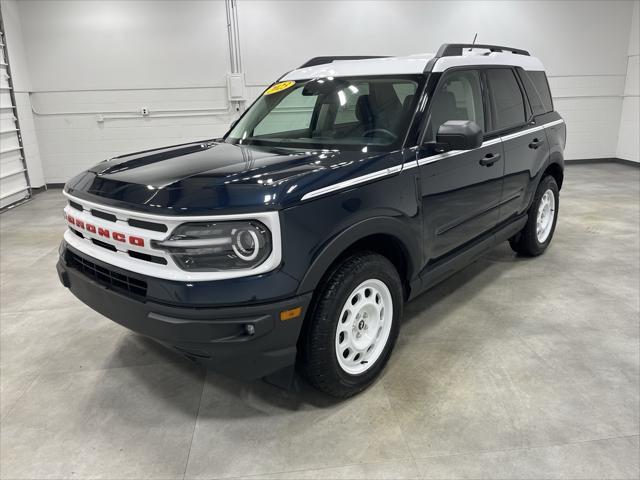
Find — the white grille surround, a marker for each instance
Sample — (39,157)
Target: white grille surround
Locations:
(121,257)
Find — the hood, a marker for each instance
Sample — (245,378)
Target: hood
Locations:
(207,177)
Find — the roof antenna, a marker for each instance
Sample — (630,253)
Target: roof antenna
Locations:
(474,42)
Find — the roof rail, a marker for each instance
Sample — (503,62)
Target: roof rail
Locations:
(455,49)
(322,60)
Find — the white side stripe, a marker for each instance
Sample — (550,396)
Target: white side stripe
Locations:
(551,124)
(412,164)
(353,181)
(453,153)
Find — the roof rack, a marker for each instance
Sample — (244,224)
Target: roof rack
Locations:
(322,60)
(455,49)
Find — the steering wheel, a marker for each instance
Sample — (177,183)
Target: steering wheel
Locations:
(380,130)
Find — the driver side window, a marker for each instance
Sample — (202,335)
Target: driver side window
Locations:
(457,97)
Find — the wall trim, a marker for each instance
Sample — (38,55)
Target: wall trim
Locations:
(37,190)
(624,161)
(578,161)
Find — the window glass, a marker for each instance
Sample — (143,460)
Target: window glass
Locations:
(507,104)
(458,97)
(329,112)
(292,113)
(537,87)
(347,113)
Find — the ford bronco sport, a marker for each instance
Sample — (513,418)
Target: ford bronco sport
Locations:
(350,186)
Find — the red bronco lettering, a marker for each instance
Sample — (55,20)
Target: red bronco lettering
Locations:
(103,232)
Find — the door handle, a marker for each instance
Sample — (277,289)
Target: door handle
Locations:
(536,143)
(489,159)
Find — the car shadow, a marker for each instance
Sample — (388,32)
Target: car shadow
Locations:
(260,398)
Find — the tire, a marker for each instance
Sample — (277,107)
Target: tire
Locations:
(338,326)
(531,241)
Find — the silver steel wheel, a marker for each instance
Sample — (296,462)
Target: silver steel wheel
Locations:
(364,326)
(546,214)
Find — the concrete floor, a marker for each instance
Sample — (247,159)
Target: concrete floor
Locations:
(514,368)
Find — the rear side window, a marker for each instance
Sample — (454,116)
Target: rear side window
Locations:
(507,104)
(537,87)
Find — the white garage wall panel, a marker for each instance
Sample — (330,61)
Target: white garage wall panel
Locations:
(629,139)
(112,58)
(97,57)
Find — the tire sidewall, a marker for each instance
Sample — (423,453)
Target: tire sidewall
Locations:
(547,183)
(379,269)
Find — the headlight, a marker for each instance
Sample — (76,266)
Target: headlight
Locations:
(215,246)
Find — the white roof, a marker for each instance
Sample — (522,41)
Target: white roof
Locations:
(412,64)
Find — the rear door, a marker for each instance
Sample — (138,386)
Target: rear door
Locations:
(460,189)
(525,143)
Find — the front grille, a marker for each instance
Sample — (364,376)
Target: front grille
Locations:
(147,258)
(131,287)
(105,216)
(156,227)
(108,246)
(75,205)
(110,217)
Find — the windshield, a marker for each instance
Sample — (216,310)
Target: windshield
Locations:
(331,113)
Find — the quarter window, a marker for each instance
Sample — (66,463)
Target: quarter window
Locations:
(458,97)
(537,88)
(507,104)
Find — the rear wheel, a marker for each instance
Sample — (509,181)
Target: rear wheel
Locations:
(353,326)
(538,232)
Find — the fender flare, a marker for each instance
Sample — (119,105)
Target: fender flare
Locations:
(331,251)
(555,158)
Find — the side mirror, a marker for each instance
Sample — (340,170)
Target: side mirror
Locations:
(459,135)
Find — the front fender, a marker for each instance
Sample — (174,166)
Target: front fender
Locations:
(393,228)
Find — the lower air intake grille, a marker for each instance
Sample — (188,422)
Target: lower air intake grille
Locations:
(129,286)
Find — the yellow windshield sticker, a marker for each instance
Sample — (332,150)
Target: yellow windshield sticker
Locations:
(278,87)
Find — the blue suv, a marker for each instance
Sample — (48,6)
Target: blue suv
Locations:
(350,186)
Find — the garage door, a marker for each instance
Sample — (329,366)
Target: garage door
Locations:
(14,181)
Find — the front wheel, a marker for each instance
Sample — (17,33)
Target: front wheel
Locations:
(353,325)
(536,235)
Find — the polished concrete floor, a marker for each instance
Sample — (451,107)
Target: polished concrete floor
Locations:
(513,368)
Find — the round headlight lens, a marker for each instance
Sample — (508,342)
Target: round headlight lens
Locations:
(246,244)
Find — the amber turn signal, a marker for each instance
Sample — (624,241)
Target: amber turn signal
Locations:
(290,314)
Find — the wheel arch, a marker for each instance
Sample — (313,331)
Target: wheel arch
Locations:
(387,236)
(556,170)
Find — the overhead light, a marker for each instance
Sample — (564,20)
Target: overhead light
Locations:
(342,97)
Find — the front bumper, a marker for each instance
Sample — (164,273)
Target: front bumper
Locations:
(246,342)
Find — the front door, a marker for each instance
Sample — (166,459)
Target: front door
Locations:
(461,190)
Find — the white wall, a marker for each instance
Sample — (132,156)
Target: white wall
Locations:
(22,86)
(95,57)
(101,56)
(629,138)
